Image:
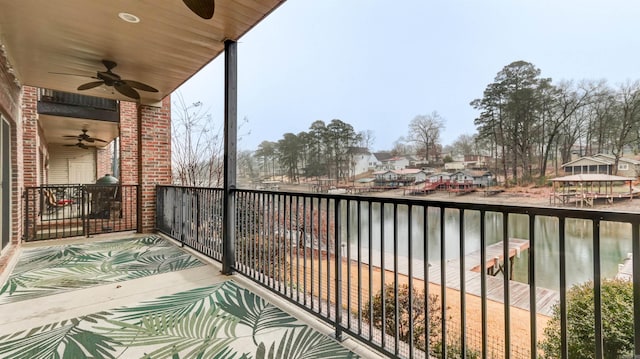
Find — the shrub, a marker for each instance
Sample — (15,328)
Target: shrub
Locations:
(453,351)
(617,322)
(418,314)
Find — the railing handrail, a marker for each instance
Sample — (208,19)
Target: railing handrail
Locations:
(68,210)
(538,210)
(276,239)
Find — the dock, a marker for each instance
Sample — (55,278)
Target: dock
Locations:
(495,263)
(426,188)
(460,188)
(518,292)
(592,187)
(625,270)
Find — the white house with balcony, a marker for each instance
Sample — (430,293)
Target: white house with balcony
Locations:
(362,161)
(386,161)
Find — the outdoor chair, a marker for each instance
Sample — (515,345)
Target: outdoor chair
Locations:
(52,203)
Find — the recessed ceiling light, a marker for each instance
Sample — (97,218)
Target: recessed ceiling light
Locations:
(129,17)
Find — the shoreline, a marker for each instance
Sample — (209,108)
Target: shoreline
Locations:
(516,196)
(519,318)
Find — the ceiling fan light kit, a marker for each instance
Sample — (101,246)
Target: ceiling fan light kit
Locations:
(83,137)
(79,144)
(111,79)
(128,88)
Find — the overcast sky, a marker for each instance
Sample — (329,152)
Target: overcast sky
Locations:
(377,64)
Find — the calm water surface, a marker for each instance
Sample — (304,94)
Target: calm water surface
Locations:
(615,240)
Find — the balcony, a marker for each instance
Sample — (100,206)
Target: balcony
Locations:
(509,271)
(60,211)
(142,296)
(509,274)
(64,104)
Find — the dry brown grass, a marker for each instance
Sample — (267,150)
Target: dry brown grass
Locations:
(520,319)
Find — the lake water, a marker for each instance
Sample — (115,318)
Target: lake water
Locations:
(615,240)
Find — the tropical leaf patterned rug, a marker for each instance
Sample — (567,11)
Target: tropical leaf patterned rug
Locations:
(56,269)
(219,321)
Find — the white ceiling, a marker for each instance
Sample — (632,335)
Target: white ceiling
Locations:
(168,46)
(55,129)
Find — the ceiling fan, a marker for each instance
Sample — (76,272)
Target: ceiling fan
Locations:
(84,137)
(79,144)
(202,8)
(110,78)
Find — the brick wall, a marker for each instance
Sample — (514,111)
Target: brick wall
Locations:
(128,143)
(30,137)
(155,157)
(104,157)
(145,153)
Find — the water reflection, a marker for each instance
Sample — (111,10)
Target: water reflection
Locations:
(394,221)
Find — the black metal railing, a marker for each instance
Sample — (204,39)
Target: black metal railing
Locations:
(193,216)
(409,277)
(67,98)
(60,211)
(57,103)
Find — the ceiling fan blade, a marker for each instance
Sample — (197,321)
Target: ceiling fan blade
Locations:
(83,146)
(90,85)
(202,8)
(139,85)
(89,139)
(99,140)
(127,90)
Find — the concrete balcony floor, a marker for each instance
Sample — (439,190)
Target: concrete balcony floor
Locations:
(142,296)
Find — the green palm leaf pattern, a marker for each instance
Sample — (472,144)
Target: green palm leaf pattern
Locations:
(174,305)
(192,336)
(15,282)
(218,321)
(304,343)
(56,269)
(253,311)
(59,340)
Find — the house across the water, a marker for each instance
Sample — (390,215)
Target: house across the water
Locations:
(603,164)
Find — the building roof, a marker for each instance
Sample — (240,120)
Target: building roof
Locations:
(478,173)
(602,158)
(359,150)
(407,171)
(466,173)
(591,177)
(602,161)
(382,156)
(612,158)
(396,158)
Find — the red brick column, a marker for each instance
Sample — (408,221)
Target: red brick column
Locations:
(30,135)
(128,143)
(155,157)
(104,159)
